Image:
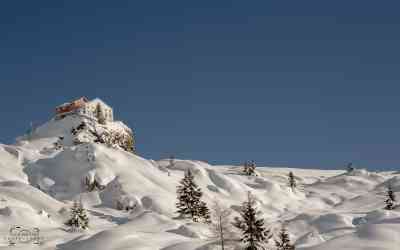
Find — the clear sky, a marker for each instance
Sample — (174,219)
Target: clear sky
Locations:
(286,83)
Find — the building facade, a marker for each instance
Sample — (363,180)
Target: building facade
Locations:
(92,109)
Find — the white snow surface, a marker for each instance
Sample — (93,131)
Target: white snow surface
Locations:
(330,210)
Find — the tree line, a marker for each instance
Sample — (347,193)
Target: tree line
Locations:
(254,234)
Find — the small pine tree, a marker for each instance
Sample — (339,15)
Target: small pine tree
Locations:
(283,241)
(292,181)
(350,167)
(249,168)
(254,234)
(245,168)
(188,194)
(171,161)
(391,198)
(204,212)
(79,219)
(92,186)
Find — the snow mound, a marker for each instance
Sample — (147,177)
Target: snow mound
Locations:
(328,222)
(11,165)
(152,222)
(185,231)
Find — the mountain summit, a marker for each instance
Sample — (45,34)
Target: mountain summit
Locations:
(83,121)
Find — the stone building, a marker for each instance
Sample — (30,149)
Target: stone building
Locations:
(92,109)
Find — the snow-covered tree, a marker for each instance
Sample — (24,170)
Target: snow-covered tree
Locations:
(92,184)
(254,233)
(292,181)
(283,241)
(390,198)
(188,194)
(249,168)
(79,219)
(171,161)
(350,168)
(203,212)
(221,227)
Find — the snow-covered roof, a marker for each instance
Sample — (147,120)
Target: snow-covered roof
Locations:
(98,100)
(83,98)
(63,105)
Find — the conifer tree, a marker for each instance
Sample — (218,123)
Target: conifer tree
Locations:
(254,234)
(92,185)
(350,167)
(391,198)
(188,194)
(171,161)
(292,181)
(283,241)
(79,219)
(245,168)
(249,168)
(204,212)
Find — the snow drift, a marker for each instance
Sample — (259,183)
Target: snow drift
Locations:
(131,200)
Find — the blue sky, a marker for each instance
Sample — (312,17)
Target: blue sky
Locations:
(286,83)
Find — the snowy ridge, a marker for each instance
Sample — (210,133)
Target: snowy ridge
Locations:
(41,176)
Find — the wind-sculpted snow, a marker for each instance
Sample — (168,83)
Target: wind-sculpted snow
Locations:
(22,204)
(10,165)
(131,200)
(381,235)
(225,184)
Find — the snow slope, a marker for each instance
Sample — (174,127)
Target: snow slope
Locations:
(38,182)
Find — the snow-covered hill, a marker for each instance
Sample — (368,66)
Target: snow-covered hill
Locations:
(45,171)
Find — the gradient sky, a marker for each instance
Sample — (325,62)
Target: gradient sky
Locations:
(286,83)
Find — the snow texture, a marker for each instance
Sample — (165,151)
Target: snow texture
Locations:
(132,204)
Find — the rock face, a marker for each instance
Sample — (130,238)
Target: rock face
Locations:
(76,129)
(114,134)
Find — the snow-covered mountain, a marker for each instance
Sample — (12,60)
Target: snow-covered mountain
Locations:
(131,200)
